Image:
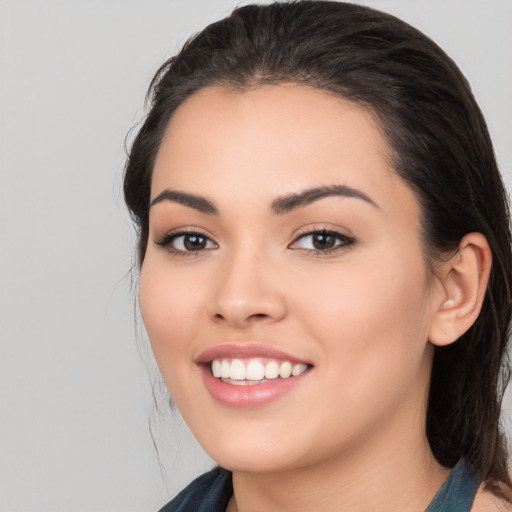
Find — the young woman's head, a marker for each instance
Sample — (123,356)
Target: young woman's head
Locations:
(315,184)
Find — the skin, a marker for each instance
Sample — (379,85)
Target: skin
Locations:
(362,315)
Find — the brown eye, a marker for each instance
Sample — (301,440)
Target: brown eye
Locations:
(194,242)
(322,242)
(183,243)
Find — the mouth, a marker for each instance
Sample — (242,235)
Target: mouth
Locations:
(250,375)
(240,372)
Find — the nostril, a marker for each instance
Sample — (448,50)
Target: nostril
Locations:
(240,311)
(256,315)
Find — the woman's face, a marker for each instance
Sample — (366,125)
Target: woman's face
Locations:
(282,240)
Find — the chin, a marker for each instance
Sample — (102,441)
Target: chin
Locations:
(251,463)
(249,457)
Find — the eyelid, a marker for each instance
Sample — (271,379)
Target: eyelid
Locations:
(323,226)
(166,240)
(343,240)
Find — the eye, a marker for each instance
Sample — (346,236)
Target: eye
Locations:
(186,242)
(322,241)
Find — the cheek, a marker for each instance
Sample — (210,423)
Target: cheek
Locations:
(371,314)
(169,304)
(371,323)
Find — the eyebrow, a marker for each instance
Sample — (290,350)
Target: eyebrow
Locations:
(279,206)
(290,202)
(199,203)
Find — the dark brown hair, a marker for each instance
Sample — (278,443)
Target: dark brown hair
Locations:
(441,148)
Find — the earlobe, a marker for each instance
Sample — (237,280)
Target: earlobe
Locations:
(462,284)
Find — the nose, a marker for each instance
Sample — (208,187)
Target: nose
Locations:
(247,291)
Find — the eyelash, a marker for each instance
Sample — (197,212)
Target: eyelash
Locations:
(344,242)
(169,238)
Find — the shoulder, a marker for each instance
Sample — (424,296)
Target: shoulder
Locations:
(486,501)
(209,492)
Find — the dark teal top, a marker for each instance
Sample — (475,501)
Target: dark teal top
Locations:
(458,492)
(212,491)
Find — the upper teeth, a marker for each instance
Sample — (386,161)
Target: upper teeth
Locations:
(255,369)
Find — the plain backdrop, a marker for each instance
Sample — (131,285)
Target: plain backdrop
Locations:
(75,396)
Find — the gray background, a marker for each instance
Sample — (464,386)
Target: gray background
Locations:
(75,396)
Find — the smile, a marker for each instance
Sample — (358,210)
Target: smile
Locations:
(249,375)
(257,370)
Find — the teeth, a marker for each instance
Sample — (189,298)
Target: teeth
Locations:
(216,368)
(298,369)
(237,371)
(255,369)
(225,369)
(271,370)
(285,370)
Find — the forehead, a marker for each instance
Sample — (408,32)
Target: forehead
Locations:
(284,120)
(274,139)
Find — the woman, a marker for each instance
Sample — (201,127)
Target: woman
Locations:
(325,261)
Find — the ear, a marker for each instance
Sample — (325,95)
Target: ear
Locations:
(462,282)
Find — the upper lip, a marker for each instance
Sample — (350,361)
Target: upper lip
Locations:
(245,351)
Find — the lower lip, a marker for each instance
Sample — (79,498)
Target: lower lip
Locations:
(251,395)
